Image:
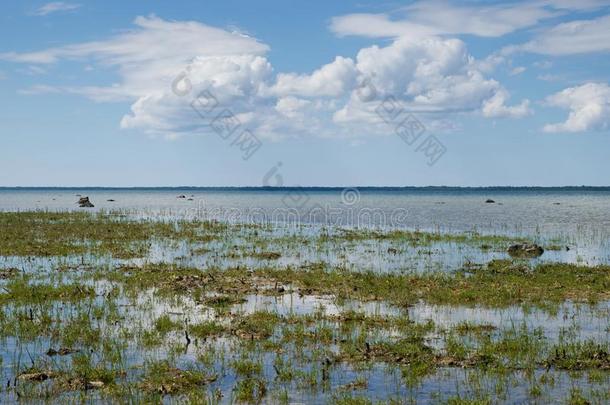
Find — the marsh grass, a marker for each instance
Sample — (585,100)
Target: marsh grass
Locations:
(109,329)
(499,283)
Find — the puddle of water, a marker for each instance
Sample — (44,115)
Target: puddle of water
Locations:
(581,321)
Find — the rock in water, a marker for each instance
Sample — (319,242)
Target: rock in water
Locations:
(525,250)
(489,201)
(84,202)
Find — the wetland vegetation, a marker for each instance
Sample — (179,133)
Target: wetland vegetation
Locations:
(108,307)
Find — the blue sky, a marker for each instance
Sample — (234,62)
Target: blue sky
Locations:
(101,93)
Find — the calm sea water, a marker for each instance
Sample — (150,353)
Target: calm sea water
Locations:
(571,212)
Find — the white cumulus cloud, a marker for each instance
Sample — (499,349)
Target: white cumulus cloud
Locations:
(589,106)
(163,66)
(332,79)
(496,107)
(427,76)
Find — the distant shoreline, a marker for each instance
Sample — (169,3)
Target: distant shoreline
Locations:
(313,188)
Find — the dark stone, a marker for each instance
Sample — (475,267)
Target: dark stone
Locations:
(489,201)
(525,250)
(181,196)
(61,352)
(84,202)
(110,200)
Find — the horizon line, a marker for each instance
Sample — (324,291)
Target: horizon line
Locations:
(281,188)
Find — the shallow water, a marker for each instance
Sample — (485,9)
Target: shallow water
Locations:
(363,255)
(573,322)
(579,222)
(575,217)
(519,210)
(568,320)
